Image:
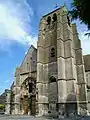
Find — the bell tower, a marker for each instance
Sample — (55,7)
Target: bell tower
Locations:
(58,66)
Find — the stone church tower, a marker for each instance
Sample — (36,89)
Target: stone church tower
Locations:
(61,81)
(51,79)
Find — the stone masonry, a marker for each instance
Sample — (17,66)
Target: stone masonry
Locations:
(51,79)
(60,68)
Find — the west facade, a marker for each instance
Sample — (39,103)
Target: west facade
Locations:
(23,89)
(52,78)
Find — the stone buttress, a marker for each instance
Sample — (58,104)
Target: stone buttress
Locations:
(61,80)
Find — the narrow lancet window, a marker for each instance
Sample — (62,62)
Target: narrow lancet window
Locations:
(48,20)
(54,17)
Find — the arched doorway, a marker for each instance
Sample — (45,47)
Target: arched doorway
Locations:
(32,97)
(25,104)
(24,99)
(53,94)
(28,96)
(71,105)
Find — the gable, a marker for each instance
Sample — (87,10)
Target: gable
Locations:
(30,56)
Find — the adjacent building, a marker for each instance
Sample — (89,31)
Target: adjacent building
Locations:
(3,101)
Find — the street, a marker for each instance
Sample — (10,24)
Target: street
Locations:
(17,117)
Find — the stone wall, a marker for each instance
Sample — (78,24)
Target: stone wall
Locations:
(26,70)
(56,68)
(65,65)
(8,102)
(88,89)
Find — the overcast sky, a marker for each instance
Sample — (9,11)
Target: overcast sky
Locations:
(19,23)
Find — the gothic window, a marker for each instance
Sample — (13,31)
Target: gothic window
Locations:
(48,20)
(54,17)
(68,18)
(52,52)
(30,87)
(52,79)
(88,87)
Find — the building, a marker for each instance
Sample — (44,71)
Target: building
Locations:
(8,102)
(87,73)
(23,89)
(3,101)
(52,78)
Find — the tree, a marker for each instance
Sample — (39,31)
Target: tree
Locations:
(1,106)
(81,10)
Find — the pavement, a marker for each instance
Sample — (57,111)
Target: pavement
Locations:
(17,117)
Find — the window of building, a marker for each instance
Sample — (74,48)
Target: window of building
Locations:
(88,87)
(52,79)
(68,18)
(54,17)
(48,20)
(52,52)
(30,87)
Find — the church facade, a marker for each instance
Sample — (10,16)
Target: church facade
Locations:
(54,78)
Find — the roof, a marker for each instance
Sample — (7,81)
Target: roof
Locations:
(54,10)
(87,62)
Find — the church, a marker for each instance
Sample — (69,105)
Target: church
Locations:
(54,78)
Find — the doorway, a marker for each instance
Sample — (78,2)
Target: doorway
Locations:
(25,104)
(33,105)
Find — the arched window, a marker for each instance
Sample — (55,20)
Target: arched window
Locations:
(48,20)
(52,79)
(88,86)
(52,52)
(30,87)
(68,20)
(54,17)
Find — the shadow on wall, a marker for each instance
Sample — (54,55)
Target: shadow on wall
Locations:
(71,105)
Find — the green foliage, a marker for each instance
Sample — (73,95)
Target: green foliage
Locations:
(1,106)
(9,94)
(81,10)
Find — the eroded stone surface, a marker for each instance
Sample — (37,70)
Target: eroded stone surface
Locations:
(51,80)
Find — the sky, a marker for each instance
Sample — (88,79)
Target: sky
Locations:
(19,24)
